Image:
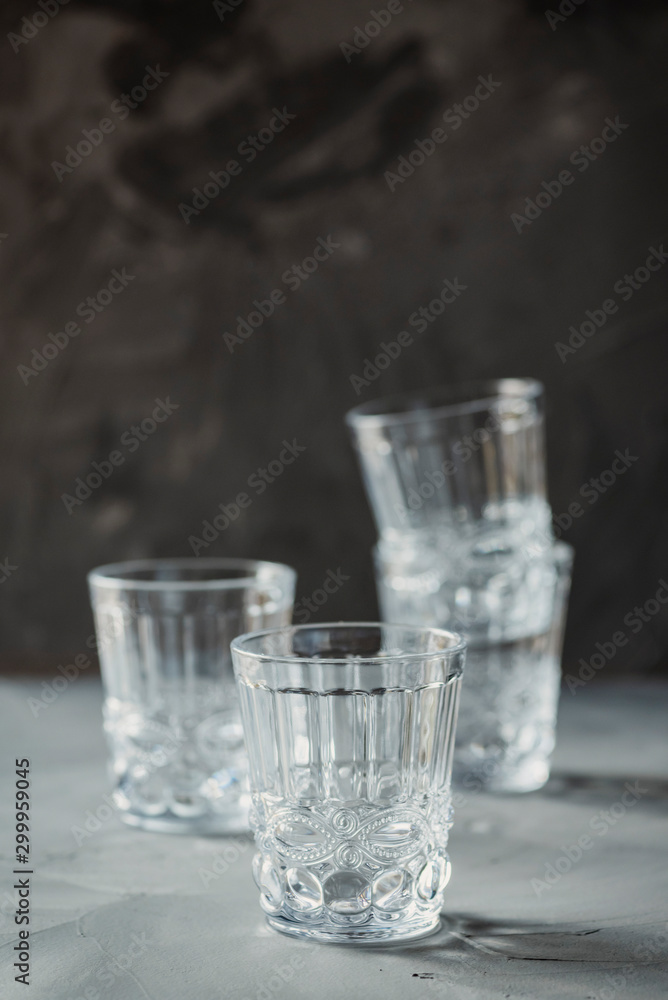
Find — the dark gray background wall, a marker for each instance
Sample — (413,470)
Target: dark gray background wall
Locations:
(323,175)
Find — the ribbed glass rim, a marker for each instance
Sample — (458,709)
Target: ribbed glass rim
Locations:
(457,644)
(441,401)
(119,574)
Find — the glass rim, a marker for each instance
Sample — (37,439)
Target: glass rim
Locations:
(441,401)
(114,575)
(458,645)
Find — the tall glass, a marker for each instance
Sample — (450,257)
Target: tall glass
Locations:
(171,712)
(349,729)
(456,481)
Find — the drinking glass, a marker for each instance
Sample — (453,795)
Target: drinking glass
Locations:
(466,464)
(349,729)
(456,480)
(510,692)
(171,713)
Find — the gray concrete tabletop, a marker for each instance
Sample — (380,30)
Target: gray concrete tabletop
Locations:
(121,914)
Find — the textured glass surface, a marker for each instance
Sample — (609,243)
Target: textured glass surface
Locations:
(512,612)
(453,459)
(171,712)
(350,772)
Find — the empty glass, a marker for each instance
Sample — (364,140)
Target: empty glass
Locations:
(349,729)
(510,692)
(465,463)
(171,712)
(456,480)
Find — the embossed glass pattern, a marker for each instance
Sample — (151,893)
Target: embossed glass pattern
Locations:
(171,711)
(349,730)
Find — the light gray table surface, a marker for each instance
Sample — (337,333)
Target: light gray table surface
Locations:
(128,915)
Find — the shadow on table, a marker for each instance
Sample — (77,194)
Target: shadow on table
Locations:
(579,786)
(467,936)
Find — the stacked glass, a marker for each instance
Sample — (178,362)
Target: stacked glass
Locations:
(456,481)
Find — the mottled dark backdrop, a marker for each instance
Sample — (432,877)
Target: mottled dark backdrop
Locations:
(199,79)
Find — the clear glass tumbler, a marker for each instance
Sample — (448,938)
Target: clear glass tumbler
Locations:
(464,464)
(510,692)
(349,730)
(171,712)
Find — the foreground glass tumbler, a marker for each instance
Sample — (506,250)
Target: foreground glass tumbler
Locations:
(171,712)
(349,729)
(510,692)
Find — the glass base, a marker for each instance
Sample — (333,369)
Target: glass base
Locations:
(328,933)
(235,821)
